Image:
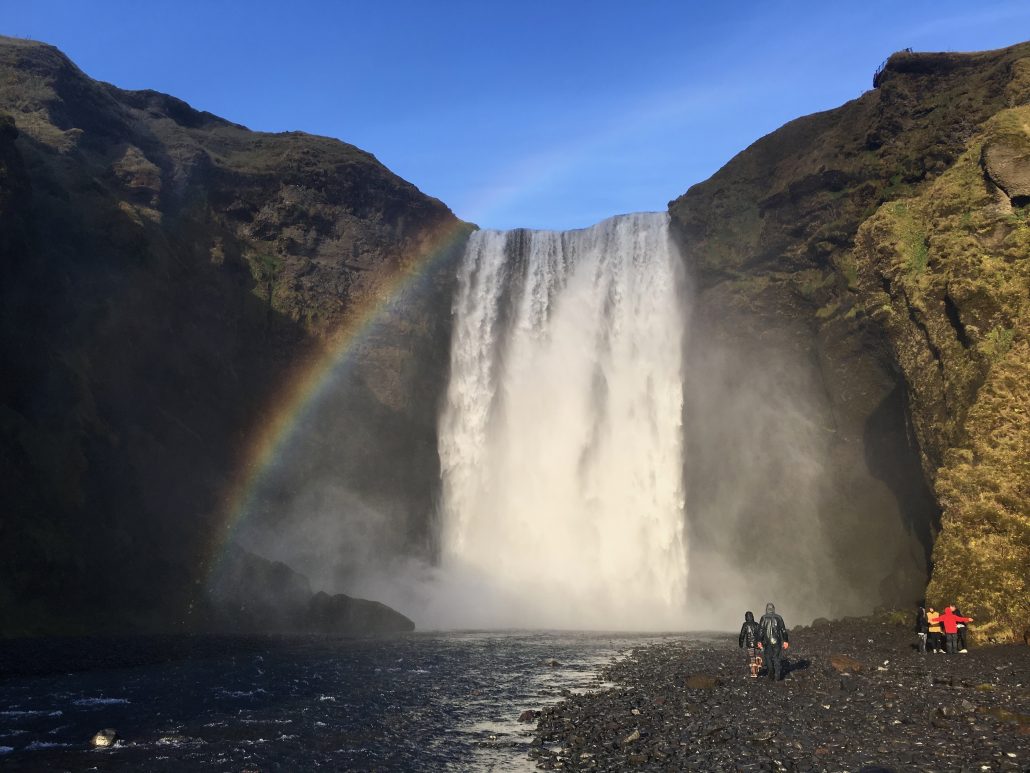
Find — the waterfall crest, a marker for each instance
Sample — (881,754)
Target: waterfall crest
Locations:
(561,438)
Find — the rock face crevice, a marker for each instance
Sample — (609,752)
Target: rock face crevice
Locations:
(889,237)
(166,275)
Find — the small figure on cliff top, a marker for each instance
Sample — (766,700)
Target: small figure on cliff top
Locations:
(949,620)
(750,633)
(774,639)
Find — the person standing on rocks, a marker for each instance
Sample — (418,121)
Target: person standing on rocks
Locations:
(961,633)
(750,633)
(949,621)
(922,628)
(935,633)
(774,640)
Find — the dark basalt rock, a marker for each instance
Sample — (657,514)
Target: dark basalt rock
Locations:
(896,719)
(250,594)
(166,274)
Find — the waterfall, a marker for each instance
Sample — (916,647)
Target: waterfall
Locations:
(561,438)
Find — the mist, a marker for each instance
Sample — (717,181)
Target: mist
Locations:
(614,450)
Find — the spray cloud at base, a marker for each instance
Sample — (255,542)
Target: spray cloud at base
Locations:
(616,451)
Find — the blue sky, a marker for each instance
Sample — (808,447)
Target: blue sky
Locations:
(542,114)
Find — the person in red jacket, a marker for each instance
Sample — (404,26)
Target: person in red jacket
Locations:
(949,620)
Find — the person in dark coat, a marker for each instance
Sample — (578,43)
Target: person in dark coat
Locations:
(922,628)
(961,632)
(749,636)
(774,639)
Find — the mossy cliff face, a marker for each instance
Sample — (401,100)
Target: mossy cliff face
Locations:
(946,273)
(884,246)
(166,274)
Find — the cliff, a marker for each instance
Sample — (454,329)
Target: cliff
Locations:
(165,274)
(882,248)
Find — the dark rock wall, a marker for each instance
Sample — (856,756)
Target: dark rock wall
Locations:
(817,254)
(165,274)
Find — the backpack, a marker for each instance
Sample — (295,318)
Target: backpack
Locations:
(770,629)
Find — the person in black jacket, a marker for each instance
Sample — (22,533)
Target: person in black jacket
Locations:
(773,640)
(922,628)
(961,633)
(749,636)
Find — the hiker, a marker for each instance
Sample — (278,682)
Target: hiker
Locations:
(922,629)
(750,633)
(949,621)
(935,633)
(773,640)
(961,633)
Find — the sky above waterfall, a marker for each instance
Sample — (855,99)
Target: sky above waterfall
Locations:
(544,114)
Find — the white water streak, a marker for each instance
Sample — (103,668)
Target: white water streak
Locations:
(561,440)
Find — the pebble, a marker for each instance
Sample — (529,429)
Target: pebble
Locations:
(669,712)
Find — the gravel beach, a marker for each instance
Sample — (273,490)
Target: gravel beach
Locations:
(858,696)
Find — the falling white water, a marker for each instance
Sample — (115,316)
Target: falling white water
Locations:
(561,439)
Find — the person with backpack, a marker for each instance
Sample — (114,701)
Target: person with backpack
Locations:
(774,640)
(750,633)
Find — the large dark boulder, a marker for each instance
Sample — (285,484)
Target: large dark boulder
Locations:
(248,593)
(341,614)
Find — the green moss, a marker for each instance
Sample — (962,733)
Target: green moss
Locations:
(997,343)
(849,269)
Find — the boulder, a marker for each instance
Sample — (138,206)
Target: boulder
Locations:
(529,715)
(341,614)
(1006,161)
(102,739)
(253,594)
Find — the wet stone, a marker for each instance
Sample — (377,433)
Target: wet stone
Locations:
(921,713)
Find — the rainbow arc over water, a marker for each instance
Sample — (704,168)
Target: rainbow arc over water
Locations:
(304,389)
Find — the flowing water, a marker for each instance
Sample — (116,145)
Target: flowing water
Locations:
(561,439)
(423,702)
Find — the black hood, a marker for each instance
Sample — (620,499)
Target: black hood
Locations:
(748,617)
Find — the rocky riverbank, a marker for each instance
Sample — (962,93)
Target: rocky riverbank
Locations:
(857,696)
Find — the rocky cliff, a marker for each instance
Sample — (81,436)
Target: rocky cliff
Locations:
(857,402)
(165,273)
(879,255)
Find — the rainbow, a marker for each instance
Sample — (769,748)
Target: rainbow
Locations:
(305,388)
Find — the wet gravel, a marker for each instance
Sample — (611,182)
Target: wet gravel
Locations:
(895,709)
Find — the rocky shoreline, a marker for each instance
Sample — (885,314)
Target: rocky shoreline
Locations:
(857,696)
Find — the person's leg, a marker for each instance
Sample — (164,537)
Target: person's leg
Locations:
(922,643)
(773,660)
(952,641)
(962,638)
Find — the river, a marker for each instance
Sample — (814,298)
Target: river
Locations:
(422,702)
